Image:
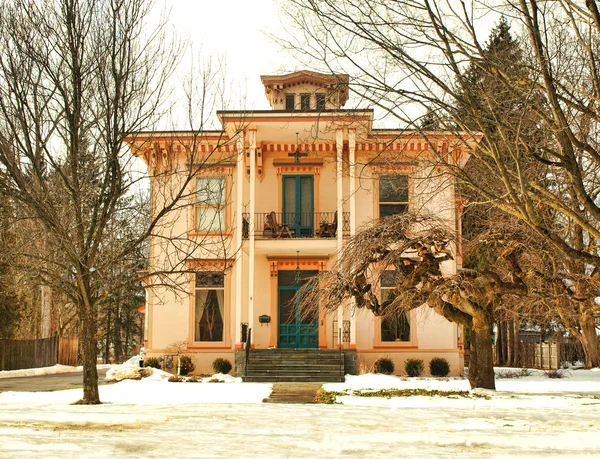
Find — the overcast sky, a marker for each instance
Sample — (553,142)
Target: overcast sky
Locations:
(235,30)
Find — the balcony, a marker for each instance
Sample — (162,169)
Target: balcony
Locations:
(296,225)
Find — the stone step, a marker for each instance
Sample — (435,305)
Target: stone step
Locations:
(294,371)
(295,351)
(294,378)
(286,392)
(297,361)
(287,366)
(299,355)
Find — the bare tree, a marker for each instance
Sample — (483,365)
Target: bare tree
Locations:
(77,77)
(418,59)
(416,250)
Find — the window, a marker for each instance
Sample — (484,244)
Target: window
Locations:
(289,102)
(394,327)
(393,194)
(210,306)
(305,102)
(210,205)
(320,102)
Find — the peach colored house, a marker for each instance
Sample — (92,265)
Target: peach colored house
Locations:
(278,194)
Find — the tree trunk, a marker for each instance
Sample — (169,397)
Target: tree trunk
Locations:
(107,344)
(499,340)
(589,341)
(481,360)
(90,356)
(510,343)
(117,332)
(516,344)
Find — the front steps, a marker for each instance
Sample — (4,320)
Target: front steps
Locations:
(289,392)
(295,365)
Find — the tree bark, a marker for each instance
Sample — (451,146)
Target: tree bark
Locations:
(510,343)
(516,344)
(91,394)
(107,344)
(481,360)
(589,341)
(499,340)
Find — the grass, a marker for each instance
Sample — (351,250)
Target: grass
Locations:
(326,397)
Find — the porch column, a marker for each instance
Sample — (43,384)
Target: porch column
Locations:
(239,196)
(339,144)
(352,191)
(252,142)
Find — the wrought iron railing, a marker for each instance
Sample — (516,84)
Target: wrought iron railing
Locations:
(283,225)
(248,346)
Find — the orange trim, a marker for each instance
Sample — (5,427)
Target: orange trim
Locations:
(397,346)
(207,348)
(352,346)
(239,346)
(192,234)
(206,263)
(377,349)
(292,119)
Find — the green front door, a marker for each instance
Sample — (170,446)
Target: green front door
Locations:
(297,329)
(298,204)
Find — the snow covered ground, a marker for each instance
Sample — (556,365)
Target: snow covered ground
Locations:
(152,418)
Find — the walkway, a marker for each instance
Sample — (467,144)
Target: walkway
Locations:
(294,392)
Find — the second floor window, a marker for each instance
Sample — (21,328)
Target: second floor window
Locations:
(305,102)
(393,194)
(210,204)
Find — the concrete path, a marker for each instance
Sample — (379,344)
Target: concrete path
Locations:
(294,392)
(45,383)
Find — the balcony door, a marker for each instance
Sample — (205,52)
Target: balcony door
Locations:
(298,204)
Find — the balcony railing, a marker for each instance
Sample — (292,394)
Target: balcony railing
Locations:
(285,225)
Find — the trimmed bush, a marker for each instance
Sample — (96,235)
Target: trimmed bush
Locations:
(438,366)
(152,362)
(186,365)
(175,378)
(222,366)
(384,366)
(414,367)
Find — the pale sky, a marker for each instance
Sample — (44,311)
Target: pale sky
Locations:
(235,30)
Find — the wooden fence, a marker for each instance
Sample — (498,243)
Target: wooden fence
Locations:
(37,353)
(68,351)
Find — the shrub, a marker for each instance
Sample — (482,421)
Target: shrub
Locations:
(555,374)
(175,379)
(384,366)
(510,373)
(414,367)
(152,362)
(186,365)
(222,365)
(438,366)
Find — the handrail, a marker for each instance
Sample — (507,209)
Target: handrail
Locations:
(340,345)
(320,225)
(248,341)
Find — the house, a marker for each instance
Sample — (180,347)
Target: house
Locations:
(273,198)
